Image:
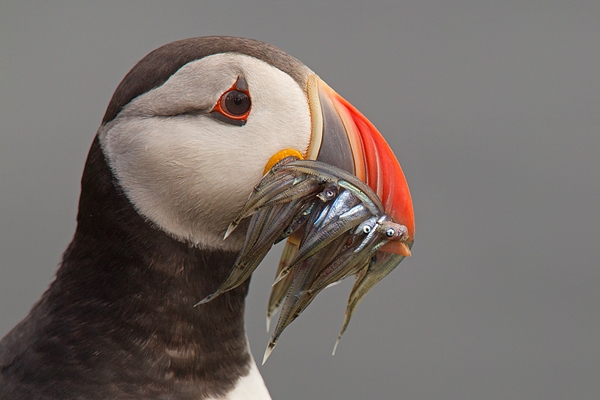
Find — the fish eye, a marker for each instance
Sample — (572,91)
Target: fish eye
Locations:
(390,232)
(366,229)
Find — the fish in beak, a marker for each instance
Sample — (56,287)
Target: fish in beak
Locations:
(343,205)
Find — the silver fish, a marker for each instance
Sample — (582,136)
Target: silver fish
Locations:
(280,289)
(269,222)
(335,227)
(368,277)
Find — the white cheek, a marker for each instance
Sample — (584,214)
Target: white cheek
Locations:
(177,175)
(189,175)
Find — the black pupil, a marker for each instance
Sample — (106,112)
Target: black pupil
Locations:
(237,103)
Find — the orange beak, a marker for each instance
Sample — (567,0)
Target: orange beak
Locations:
(343,137)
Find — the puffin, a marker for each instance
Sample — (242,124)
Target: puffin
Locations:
(186,136)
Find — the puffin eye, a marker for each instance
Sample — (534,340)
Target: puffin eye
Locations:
(235,103)
(233,107)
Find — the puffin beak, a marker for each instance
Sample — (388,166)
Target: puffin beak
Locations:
(344,138)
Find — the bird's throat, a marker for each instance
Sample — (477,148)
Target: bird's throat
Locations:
(131,289)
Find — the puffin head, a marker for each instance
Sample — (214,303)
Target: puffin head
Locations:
(195,124)
(195,132)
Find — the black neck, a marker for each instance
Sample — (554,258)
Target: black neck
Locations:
(124,295)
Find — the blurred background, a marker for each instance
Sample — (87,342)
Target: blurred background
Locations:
(493,109)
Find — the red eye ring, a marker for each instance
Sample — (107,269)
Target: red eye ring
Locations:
(234,105)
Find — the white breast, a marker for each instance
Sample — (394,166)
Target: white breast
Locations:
(249,387)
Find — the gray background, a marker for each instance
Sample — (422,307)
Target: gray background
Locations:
(493,109)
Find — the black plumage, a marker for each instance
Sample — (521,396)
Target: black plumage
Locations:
(121,302)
